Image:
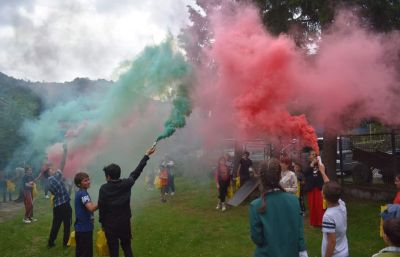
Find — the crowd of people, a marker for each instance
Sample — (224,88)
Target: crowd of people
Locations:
(276,217)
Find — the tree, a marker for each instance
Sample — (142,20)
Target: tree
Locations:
(304,19)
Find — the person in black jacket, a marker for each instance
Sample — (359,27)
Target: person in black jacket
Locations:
(114,208)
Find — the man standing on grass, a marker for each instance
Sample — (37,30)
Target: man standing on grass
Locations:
(114,208)
(62,212)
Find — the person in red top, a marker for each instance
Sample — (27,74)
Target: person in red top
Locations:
(397,183)
(163,183)
(222,179)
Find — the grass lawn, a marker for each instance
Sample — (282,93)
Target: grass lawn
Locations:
(187,225)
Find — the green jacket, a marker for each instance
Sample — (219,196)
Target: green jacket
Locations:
(279,231)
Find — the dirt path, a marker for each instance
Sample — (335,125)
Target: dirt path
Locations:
(9,210)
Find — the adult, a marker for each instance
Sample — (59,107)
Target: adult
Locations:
(313,188)
(245,165)
(62,212)
(114,208)
(276,223)
(288,178)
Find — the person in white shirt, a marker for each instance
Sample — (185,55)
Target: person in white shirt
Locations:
(334,222)
(288,178)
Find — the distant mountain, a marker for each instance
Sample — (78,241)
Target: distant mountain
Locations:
(21,100)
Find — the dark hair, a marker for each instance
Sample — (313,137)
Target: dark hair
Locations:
(246,153)
(332,191)
(391,227)
(112,170)
(270,175)
(298,164)
(286,160)
(27,168)
(79,177)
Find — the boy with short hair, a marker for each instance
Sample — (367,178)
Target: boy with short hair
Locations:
(391,235)
(84,208)
(334,222)
(114,206)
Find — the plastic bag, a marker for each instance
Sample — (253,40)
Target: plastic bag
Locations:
(229,193)
(10,186)
(237,182)
(101,244)
(157,182)
(383,208)
(71,240)
(34,190)
(52,200)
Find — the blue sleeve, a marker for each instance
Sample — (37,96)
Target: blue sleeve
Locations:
(84,198)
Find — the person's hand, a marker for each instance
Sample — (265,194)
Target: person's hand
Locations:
(151,150)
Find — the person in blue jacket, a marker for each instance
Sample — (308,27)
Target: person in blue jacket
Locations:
(276,223)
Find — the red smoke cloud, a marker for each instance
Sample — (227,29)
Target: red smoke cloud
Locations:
(265,86)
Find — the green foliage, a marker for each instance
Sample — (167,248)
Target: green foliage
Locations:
(17,103)
(312,15)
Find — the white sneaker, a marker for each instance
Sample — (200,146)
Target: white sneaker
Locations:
(218,206)
(47,197)
(172,193)
(26,221)
(32,219)
(223,207)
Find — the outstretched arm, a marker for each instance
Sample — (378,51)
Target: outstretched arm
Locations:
(136,173)
(64,159)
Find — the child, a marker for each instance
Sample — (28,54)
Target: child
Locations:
(300,188)
(163,183)
(334,222)
(222,179)
(391,235)
(84,209)
(27,182)
(114,205)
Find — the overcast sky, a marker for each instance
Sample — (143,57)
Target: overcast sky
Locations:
(56,40)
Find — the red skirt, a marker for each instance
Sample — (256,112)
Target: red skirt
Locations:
(315,206)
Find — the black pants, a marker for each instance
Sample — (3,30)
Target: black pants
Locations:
(119,234)
(61,214)
(223,189)
(84,244)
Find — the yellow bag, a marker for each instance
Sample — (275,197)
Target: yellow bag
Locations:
(229,193)
(383,208)
(71,240)
(52,200)
(237,182)
(34,191)
(10,186)
(157,182)
(101,244)
(324,204)
(298,190)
